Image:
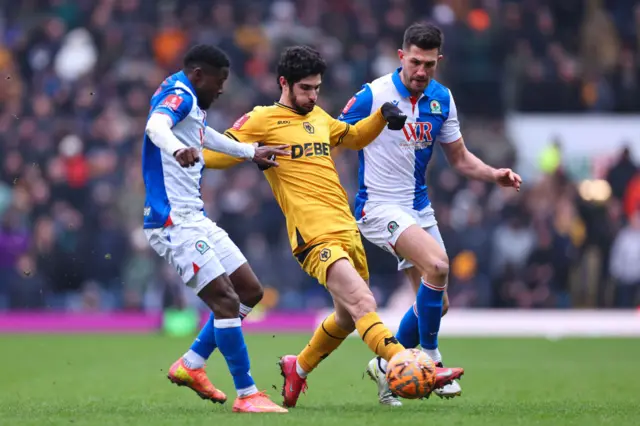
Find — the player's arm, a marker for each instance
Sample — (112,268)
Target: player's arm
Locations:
(215,142)
(464,161)
(240,134)
(233,147)
(169,111)
(358,125)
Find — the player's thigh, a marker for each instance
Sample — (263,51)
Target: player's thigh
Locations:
(349,290)
(244,280)
(358,256)
(421,249)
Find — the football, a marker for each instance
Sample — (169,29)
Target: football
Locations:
(411,374)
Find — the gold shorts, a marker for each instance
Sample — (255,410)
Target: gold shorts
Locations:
(325,250)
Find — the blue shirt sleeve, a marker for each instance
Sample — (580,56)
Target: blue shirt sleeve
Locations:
(175,102)
(358,107)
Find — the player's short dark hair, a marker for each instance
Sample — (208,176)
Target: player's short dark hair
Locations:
(299,62)
(423,35)
(202,55)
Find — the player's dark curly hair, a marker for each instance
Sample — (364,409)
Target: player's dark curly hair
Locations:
(299,62)
(205,55)
(423,35)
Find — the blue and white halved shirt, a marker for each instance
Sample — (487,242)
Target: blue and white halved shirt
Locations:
(172,191)
(392,169)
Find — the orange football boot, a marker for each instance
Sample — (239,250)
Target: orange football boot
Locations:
(257,403)
(197,380)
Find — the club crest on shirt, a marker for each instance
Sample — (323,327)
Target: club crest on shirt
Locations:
(308,127)
(435,107)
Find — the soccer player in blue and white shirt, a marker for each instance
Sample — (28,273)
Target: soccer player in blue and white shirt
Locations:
(392,205)
(174,218)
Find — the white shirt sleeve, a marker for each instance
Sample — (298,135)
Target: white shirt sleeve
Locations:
(450,130)
(220,143)
(159,131)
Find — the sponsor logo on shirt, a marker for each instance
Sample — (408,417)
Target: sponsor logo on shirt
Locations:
(240,122)
(349,104)
(172,102)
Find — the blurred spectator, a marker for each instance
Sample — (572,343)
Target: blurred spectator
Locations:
(625,263)
(621,173)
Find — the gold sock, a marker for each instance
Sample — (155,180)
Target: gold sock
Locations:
(377,336)
(325,340)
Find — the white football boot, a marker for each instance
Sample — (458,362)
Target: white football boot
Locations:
(449,391)
(376,373)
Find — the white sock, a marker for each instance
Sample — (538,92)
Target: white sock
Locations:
(244,311)
(247,391)
(434,354)
(193,360)
(382,365)
(300,371)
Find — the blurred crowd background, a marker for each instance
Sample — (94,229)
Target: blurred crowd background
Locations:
(76,77)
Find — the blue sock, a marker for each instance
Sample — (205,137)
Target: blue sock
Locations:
(230,340)
(407,333)
(429,303)
(205,343)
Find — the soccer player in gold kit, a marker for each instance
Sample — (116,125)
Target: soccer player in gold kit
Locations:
(322,231)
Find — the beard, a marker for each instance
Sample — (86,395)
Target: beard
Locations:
(302,109)
(204,104)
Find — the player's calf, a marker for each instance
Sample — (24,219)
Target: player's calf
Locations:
(225,304)
(430,259)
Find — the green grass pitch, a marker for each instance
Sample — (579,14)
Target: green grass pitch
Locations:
(121,380)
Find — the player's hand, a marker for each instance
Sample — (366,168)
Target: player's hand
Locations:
(187,157)
(507,178)
(394,116)
(265,156)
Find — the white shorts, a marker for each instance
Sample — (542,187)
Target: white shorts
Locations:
(198,249)
(383,224)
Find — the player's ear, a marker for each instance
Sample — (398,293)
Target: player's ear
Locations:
(400,54)
(440,56)
(283,82)
(197,73)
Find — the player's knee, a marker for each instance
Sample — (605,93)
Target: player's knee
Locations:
(441,267)
(220,296)
(247,286)
(436,268)
(251,294)
(257,293)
